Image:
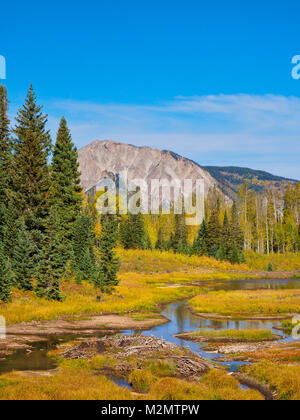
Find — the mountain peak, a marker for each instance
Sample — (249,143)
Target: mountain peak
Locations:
(107,156)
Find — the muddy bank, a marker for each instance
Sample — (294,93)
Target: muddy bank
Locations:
(244,351)
(251,383)
(20,336)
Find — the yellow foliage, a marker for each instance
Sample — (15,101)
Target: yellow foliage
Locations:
(157,261)
(216,385)
(141,380)
(262,302)
(284,379)
(74,381)
(280,262)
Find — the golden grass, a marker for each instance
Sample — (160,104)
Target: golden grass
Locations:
(241,335)
(160,262)
(285,380)
(259,302)
(280,262)
(76,380)
(216,385)
(291,354)
(141,380)
(134,293)
(139,290)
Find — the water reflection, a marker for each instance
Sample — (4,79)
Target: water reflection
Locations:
(182,320)
(257,284)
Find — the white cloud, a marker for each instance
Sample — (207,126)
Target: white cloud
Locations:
(243,130)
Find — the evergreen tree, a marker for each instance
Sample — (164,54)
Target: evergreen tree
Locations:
(160,243)
(83,255)
(221,254)
(65,194)
(170,242)
(109,263)
(31,180)
(137,230)
(24,257)
(213,233)
(5,164)
(234,257)
(52,261)
(236,234)
(148,244)
(226,241)
(133,234)
(6,276)
(200,245)
(124,233)
(180,239)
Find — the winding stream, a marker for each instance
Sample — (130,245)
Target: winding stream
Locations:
(181,320)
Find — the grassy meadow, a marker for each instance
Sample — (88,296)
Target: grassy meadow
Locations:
(148,279)
(283,379)
(235,335)
(143,276)
(79,380)
(248,303)
(142,279)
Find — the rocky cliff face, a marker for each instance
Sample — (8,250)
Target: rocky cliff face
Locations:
(100,159)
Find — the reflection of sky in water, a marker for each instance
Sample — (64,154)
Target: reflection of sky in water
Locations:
(182,320)
(258,284)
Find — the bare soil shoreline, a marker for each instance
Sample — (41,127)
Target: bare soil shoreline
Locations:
(19,336)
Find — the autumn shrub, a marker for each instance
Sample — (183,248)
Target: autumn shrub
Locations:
(285,380)
(141,380)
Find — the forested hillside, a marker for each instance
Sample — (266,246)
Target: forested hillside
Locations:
(230,179)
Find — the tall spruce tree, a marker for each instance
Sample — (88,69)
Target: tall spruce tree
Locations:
(83,261)
(31,178)
(226,242)
(109,263)
(137,230)
(6,276)
(5,163)
(160,242)
(236,233)
(180,239)
(213,233)
(24,257)
(133,234)
(52,261)
(66,189)
(200,242)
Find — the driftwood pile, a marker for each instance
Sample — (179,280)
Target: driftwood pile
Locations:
(142,347)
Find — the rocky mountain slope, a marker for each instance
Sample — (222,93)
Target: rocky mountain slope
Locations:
(107,158)
(101,159)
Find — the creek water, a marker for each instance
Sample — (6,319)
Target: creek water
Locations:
(181,320)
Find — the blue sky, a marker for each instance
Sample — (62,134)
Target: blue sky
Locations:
(209,80)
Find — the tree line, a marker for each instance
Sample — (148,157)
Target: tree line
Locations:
(46,223)
(267,222)
(49,229)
